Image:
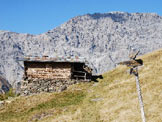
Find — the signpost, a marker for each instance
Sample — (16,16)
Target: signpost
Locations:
(133,63)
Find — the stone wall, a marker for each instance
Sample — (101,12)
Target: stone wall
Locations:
(35,85)
(51,70)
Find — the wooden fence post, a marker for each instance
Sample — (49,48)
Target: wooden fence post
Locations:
(139,95)
(133,63)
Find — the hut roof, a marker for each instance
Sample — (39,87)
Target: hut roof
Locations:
(74,59)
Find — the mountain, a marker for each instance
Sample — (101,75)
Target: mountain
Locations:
(103,39)
(112,99)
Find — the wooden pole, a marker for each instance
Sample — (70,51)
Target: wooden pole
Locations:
(140,95)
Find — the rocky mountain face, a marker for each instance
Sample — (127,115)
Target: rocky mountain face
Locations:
(103,39)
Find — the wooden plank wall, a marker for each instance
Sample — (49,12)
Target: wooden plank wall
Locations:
(48,70)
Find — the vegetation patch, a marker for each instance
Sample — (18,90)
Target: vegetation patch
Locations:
(61,100)
(58,101)
(10,93)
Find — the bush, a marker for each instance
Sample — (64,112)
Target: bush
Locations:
(10,93)
(2,97)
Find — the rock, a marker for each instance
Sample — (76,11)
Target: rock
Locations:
(64,87)
(95,84)
(40,116)
(96,99)
(1,103)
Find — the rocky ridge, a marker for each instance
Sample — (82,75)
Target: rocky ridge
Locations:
(103,39)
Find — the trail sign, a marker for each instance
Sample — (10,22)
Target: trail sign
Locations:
(133,64)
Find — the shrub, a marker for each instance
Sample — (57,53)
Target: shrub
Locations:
(10,93)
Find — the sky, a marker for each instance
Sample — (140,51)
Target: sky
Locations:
(39,16)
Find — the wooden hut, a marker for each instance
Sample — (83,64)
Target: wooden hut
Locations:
(57,68)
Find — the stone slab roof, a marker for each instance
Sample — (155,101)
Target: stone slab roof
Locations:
(74,59)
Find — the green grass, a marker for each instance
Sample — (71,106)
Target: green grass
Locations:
(113,99)
(63,100)
(56,100)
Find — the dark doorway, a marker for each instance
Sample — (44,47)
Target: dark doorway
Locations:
(78,72)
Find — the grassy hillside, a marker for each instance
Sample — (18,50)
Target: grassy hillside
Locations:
(112,99)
